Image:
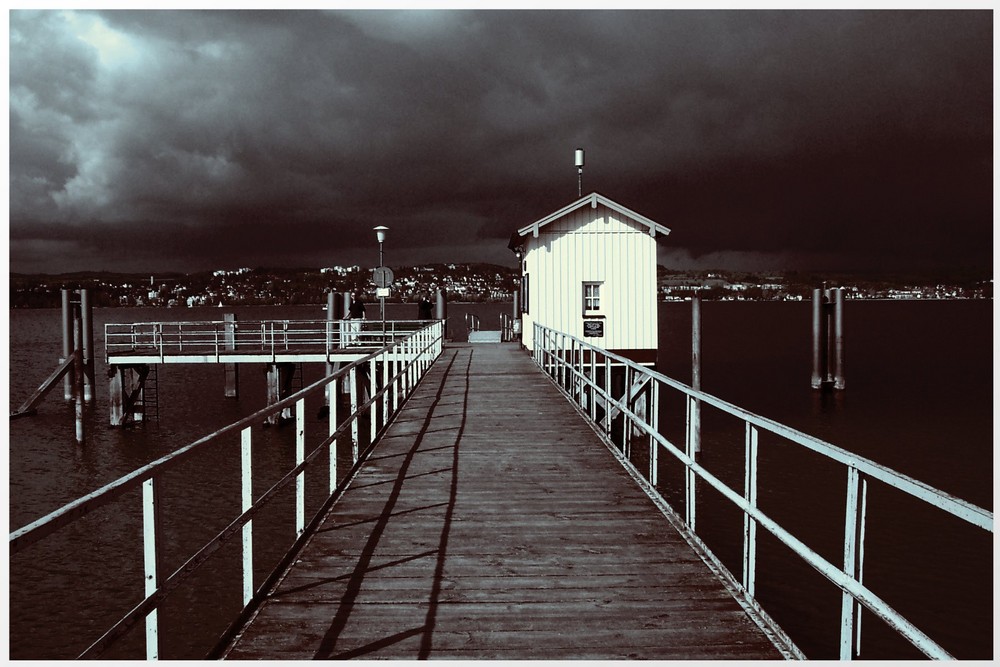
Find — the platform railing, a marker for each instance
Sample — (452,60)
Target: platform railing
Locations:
(402,363)
(219,338)
(584,371)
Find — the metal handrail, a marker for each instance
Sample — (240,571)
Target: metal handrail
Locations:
(409,358)
(572,363)
(218,337)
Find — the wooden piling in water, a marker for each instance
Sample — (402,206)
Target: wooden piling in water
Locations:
(78,375)
(839,381)
(279,382)
(229,344)
(87,343)
(828,339)
(67,331)
(817,339)
(696,370)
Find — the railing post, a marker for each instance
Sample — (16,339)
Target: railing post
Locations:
(654,445)
(393,374)
(355,435)
(689,475)
(854,529)
(300,457)
(607,395)
(563,360)
(334,393)
(626,404)
(749,523)
(373,411)
(246,463)
(151,560)
(593,385)
(385,387)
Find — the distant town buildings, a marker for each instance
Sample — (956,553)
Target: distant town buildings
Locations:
(460,282)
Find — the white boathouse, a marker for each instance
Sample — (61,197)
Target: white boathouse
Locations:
(589,270)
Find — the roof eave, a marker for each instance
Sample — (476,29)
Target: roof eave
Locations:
(593,199)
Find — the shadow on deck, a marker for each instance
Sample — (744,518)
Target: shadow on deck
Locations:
(492,523)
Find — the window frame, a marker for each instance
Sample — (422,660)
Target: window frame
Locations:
(588,300)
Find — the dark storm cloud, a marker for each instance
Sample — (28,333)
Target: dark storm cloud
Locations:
(202,139)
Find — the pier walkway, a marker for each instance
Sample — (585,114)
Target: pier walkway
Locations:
(492,522)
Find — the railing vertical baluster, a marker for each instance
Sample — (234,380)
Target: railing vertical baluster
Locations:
(853,530)
(562,360)
(654,445)
(861,561)
(395,380)
(355,435)
(373,411)
(578,373)
(334,388)
(607,395)
(689,475)
(385,386)
(626,403)
(593,384)
(246,458)
(150,528)
(749,523)
(300,457)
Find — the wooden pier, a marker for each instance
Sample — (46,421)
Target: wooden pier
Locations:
(491,522)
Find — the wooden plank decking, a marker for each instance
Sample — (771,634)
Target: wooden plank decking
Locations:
(491,522)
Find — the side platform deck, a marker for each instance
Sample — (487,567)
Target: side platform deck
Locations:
(491,522)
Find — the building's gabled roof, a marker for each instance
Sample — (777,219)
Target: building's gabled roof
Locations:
(593,199)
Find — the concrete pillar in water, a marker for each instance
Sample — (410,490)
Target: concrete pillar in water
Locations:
(279,384)
(87,322)
(67,329)
(839,381)
(516,326)
(696,370)
(441,310)
(334,313)
(78,376)
(229,344)
(818,352)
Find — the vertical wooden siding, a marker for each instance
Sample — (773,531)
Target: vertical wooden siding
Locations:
(594,245)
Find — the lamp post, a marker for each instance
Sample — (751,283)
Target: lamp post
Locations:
(380,233)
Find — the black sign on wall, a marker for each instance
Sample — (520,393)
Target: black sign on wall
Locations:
(593,328)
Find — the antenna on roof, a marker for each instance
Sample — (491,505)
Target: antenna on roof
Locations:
(579,172)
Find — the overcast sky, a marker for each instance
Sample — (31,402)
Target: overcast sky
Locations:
(192,140)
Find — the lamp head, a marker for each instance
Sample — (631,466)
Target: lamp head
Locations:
(380,232)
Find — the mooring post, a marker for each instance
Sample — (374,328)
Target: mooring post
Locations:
(839,381)
(817,336)
(67,329)
(515,330)
(78,376)
(87,318)
(229,344)
(333,317)
(441,310)
(696,370)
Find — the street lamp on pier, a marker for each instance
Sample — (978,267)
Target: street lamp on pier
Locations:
(383,277)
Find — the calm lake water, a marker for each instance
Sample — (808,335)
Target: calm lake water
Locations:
(918,400)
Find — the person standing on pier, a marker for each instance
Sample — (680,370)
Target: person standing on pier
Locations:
(355,313)
(425,309)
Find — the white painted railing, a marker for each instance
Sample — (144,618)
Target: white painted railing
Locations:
(400,365)
(219,338)
(584,373)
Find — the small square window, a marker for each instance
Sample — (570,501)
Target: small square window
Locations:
(591,298)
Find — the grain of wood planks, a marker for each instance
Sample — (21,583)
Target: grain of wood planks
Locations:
(491,523)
